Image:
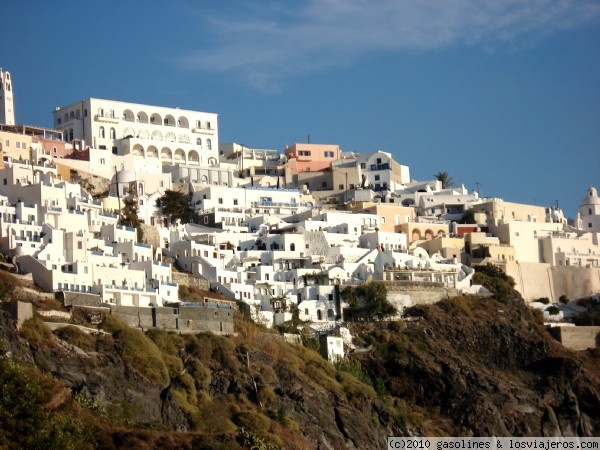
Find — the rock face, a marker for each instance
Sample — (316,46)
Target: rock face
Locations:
(493,372)
(482,369)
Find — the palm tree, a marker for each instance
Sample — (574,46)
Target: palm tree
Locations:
(445,178)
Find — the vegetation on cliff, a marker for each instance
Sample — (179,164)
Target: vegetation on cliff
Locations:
(468,365)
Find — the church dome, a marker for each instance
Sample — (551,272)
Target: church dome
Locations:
(591,197)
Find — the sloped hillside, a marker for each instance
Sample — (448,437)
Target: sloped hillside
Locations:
(466,366)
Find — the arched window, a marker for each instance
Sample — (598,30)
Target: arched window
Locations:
(71,134)
(101,132)
(292,247)
(113,133)
(140,189)
(209,144)
(199,142)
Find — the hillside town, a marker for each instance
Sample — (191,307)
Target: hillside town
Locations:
(91,208)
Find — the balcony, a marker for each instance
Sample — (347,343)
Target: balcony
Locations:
(107,119)
(201,130)
(385,166)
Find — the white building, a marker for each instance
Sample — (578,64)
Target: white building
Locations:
(7,107)
(169,135)
(588,215)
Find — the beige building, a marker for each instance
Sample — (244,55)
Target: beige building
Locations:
(391,215)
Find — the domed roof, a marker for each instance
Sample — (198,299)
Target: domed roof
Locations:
(591,197)
(125,176)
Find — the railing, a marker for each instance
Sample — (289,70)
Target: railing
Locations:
(384,166)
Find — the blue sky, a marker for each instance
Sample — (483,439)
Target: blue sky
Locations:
(504,93)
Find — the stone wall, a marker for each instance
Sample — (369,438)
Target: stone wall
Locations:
(403,294)
(187,279)
(18,311)
(577,338)
(78,299)
(211,315)
(150,235)
(536,280)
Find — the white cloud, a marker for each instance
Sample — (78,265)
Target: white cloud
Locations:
(269,44)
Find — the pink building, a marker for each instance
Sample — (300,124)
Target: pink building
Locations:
(311,157)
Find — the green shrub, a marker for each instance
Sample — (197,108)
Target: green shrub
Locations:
(35,330)
(26,422)
(77,337)
(8,284)
(266,394)
(167,341)
(142,356)
(457,306)
(252,421)
(201,374)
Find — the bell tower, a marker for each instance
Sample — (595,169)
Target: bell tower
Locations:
(7,110)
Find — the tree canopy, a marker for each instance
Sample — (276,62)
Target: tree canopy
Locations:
(176,205)
(368,302)
(445,178)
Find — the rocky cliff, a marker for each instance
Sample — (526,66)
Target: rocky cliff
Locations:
(463,367)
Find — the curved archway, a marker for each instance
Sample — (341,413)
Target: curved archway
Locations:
(143,134)
(128,116)
(428,235)
(330,314)
(170,137)
(182,122)
(152,152)
(156,119)
(183,138)
(137,150)
(128,133)
(441,233)
(193,157)
(157,135)
(416,234)
(169,120)
(204,179)
(142,117)
(166,154)
(179,155)
(212,161)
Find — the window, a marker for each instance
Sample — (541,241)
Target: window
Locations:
(329,154)
(53,149)
(18,144)
(220,201)
(205,219)
(7,143)
(324,184)
(101,112)
(304,153)
(113,133)
(101,132)
(341,186)
(199,142)
(363,165)
(208,125)
(235,201)
(377,177)
(209,144)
